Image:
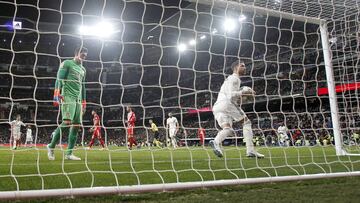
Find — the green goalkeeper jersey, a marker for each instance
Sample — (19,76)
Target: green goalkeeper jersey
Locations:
(70,79)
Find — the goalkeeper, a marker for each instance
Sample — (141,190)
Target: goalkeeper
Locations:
(70,94)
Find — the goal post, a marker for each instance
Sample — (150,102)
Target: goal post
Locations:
(343,50)
(331,88)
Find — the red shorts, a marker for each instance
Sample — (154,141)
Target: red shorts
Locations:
(130,130)
(201,138)
(97,133)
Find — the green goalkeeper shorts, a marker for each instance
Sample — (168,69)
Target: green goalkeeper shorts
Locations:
(71,109)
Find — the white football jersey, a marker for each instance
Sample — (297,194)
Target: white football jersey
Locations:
(282,130)
(230,90)
(28,132)
(16,126)
(172,122)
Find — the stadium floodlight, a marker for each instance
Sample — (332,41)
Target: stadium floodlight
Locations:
(242,18)
(229,24)
(181,47)
(103,29)
(84,30)
(192,42)
(203,37)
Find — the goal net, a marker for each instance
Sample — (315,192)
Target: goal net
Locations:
(161,57)
(344,42)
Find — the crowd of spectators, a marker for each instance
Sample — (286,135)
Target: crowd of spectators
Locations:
(307,126)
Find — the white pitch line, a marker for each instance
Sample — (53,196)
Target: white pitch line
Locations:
(176,161)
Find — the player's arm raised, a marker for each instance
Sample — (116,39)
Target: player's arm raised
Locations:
(61,75)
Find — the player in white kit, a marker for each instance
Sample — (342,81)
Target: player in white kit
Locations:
(282,135)
(172,125)
(227,110)
(29,138)
(16,131)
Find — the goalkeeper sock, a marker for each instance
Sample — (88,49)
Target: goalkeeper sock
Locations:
(222,135)
(72,139)
(248,136)
(61,130)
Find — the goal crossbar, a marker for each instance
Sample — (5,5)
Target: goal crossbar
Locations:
(260,10)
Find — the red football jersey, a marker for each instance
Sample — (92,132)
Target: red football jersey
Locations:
(201,132)
(96,120)
(131,118)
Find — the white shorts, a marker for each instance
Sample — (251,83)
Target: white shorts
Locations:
(16,136)
(29,139)
(283,136)
(172,132)
(227,113)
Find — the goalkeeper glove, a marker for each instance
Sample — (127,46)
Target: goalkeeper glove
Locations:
(57,97)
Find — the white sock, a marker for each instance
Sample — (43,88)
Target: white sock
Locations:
(14,144)
(222,135)
(248,136)
(173,140)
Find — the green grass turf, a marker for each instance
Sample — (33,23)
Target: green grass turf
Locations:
(29,169)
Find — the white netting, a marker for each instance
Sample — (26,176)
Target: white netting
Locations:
(344,42)
(173,56)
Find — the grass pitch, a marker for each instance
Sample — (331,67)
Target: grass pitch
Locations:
(322,190)
(29,168)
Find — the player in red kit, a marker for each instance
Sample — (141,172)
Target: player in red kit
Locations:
(201,135)
(130,127)
(96,129)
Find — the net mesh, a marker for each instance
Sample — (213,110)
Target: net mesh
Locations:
(344,41)
(173,56)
